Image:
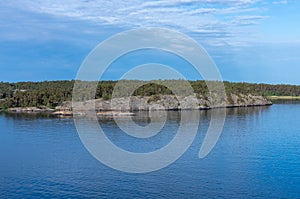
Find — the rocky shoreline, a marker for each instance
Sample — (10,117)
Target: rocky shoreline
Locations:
(125,106)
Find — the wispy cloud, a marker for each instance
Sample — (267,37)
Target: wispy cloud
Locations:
(217,20)
(248,20)
(48,39)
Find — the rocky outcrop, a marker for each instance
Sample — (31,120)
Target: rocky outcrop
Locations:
(42,109)
(168,102)
(156,102)
(241,100)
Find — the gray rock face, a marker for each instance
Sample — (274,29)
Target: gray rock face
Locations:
(247,100)
(168,102)
(157,102)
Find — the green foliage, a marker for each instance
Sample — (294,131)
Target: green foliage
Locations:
(4,108)
(26,94)
(153,98)
(53,93)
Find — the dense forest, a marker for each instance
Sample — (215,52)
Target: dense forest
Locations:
(53,93)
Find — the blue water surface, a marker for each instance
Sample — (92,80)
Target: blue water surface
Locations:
(257,156)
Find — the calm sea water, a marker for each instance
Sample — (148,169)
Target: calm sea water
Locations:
(257,156)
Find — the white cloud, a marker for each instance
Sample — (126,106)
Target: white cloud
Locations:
(222,20)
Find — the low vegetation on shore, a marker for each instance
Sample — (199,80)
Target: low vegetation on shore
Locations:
(274,97)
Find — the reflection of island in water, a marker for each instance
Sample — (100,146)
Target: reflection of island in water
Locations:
(145,116)
(162,125)
(163,122)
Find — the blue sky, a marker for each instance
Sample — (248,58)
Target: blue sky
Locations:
(249,40)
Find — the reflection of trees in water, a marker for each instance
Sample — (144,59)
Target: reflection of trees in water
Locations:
(144,117)
(247,110)
(28,116)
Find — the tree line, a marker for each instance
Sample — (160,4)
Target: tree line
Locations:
(53,93)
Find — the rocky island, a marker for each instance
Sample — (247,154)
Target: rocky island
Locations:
(124,106)
(55,97)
